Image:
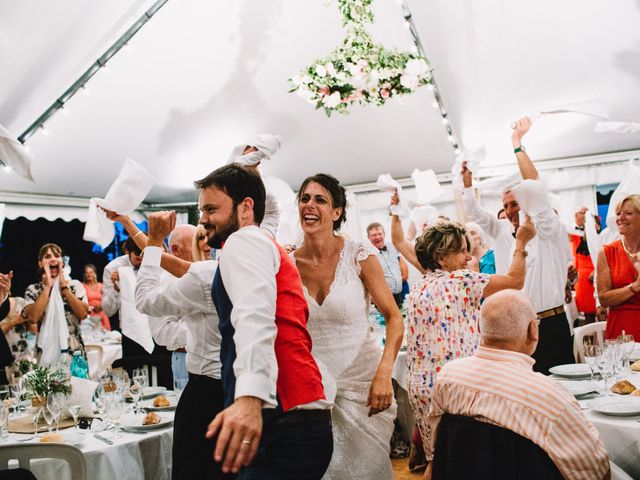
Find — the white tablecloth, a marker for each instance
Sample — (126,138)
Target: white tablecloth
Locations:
(132,457)
(620,435)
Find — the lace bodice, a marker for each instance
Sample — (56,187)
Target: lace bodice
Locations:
(339,327)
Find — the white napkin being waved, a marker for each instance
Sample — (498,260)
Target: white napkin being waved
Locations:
(14,154)
(386,183)
(135,325)
(423,215)
(128,191)
(427,186)
(54,333)
(267,145)
(594,242)
(532,196)
(473,158)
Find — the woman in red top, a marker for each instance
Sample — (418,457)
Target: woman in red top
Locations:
(585,301)
(619,272)
(94,295)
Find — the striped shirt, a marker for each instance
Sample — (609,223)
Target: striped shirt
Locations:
(499,387)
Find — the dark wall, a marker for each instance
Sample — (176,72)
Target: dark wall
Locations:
(21,239)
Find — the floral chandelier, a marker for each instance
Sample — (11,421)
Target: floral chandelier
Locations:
(360,71)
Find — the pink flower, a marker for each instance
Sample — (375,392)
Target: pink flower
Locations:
(384,93)
(324,91)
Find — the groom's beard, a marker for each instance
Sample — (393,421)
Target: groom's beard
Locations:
(222,232)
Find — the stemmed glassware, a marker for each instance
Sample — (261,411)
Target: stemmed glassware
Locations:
(48,417)
(74,410)
(628,344)
(17,390)
(605,363)
(37,405)
(115,405)
(591,354)
(56,403)
(135,390)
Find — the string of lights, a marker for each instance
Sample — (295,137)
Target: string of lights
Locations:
(438,103)
(81,83)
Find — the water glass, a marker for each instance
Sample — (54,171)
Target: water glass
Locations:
(135,390)
(604,364)
(591,354)
(48,415)
(74,410)
(115,405)
(628,344)
(57,402)
(141,373)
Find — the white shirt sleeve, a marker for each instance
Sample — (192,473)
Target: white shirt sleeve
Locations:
(110,297)
(489,222)
(168,331)
(248,266)
(183,296)
(271,218)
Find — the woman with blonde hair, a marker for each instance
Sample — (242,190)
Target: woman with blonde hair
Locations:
(444,307)
(200,249)
(619,272)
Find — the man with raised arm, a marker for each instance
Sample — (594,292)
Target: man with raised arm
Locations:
(547,254)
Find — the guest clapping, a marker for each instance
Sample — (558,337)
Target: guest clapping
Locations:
(619,272)
(444,307)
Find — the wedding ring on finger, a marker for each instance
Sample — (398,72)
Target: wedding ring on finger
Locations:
(246,441)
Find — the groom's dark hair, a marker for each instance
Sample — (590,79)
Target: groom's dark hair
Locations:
(239,183)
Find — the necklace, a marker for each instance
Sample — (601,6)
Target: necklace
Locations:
(633,255)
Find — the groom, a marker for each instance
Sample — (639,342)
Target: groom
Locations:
(277,423)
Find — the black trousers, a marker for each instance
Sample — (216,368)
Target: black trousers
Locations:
(291,451)
(201,400)
(555,346)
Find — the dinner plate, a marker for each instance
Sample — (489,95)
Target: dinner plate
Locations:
(578,388)
(572,370)
(134,422)
(618,407)
(148,404)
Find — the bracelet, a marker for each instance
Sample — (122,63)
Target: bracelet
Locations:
(523,252)
(139,232)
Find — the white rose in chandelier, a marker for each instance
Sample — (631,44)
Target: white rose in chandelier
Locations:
(333,100)
(416,67)
(306,94)
(331,70)
(321,71)
(409,81)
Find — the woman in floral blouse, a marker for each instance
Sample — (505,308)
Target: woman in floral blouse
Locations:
(74,297)
(444,307)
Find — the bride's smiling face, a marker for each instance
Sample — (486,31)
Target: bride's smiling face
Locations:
(316,210)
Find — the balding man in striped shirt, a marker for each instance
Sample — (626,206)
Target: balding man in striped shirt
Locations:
(497,385)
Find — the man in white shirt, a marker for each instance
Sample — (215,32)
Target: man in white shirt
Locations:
(394,267)
(189,298)
(269,375)
(134,355)
(547,254)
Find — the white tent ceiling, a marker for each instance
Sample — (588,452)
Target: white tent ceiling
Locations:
(204,75)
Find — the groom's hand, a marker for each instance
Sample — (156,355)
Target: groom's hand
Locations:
(239,428)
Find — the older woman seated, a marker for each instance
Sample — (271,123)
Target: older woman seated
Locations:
(444,307)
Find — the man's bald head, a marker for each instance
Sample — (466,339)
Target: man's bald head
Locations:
(508,321)
(180,241)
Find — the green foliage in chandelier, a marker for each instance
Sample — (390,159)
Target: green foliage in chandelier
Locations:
(360,71)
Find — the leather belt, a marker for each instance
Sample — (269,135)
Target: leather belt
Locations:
(305,416)
(551,312)
(181,350)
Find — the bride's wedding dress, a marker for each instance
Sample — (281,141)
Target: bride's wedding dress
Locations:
(344,343)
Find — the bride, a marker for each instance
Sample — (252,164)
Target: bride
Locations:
(338,276)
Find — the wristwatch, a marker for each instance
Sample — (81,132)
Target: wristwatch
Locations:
(519,149)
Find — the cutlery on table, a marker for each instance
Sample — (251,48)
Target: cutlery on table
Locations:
(104,439)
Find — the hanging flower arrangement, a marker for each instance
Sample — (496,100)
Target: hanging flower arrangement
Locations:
(360,71)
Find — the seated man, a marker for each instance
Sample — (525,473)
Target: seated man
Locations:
(497,385)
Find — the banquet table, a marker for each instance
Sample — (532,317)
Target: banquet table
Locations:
(133,456)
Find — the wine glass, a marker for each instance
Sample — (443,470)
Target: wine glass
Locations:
(56,402)
(37,404)
(17,390)
(121,379)
(74,410)
(604,364)
(591,353)
(628,344)
(135,390)
(142,374)
(48,415)
(115,406)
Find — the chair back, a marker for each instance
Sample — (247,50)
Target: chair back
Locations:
(467,448)
(26,452)
(596,328)
(95,357)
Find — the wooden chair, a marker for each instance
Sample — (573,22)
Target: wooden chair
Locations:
(26,452)
(596,328)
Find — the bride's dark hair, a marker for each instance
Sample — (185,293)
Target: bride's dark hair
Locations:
(336,191)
